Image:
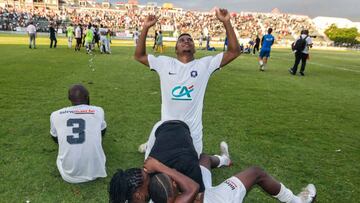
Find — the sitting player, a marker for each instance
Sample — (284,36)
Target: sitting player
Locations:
(78,130)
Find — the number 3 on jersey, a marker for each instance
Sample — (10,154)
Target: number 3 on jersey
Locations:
(79,130)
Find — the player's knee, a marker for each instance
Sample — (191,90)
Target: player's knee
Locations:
(205,160)
(258,172)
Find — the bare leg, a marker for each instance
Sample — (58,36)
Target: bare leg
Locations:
(256,176)
(208,161)
(265,60)
(216,161)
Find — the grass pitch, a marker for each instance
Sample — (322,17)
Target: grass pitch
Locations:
(299,129)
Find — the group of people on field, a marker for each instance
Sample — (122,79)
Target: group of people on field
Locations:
(85,36)
(175,169)
(300,48)
(89,37)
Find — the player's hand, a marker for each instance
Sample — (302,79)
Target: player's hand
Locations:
(222,14)
(150,21)
(151,165)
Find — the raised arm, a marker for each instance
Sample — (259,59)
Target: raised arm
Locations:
(140,51)
(187,186)
(233,50)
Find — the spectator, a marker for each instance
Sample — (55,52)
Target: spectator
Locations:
(52,35)
(31,30)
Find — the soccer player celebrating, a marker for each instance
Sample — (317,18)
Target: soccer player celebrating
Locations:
(78,37)
(266,43)
(184,79)
(70,34)
(78,130)
(89,37)
(104,48)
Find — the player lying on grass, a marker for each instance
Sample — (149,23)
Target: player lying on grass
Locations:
(173,147)
(184,79)
(169,185)
(78,130)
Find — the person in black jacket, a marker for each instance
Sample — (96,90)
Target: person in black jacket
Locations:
(52,35)
(257,44)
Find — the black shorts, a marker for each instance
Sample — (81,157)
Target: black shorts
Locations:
(78,40)
(97,38)
(174,147)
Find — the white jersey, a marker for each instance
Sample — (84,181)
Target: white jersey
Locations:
(231,190)
(78,128)
(183,88)
(103,31)
(31,29)
(78,32)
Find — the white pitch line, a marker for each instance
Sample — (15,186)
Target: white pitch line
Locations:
(323,65)
(339,68)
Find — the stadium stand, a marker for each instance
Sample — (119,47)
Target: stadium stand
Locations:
(125,17)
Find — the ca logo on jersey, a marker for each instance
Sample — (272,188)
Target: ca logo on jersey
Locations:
(182,92)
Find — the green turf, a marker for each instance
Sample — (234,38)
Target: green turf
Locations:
(300,129)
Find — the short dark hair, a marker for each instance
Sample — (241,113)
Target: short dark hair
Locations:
(306,32)
(270,30)
(160,188)
(123,185)
(183,34)
(78,94)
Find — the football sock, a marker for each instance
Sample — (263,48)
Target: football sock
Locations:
(223,160)
(261,63)
(285,195)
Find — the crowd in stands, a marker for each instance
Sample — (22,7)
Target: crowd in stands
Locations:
(247,25)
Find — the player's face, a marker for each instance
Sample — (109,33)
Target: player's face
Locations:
(185,44)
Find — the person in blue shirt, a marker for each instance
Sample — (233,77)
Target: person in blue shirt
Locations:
(266,43)
(225,44)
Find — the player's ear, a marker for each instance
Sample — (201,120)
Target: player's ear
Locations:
(174,185)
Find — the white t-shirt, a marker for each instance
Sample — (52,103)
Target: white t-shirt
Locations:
(31,29)
(183,88)
(136,35)
(308,41)
(78,128)
(78,32)
(103,31)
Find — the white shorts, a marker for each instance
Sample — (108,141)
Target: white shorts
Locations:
(151,141)
(206,176)
(231,190)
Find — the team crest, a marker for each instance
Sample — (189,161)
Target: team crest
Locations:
(193,74)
